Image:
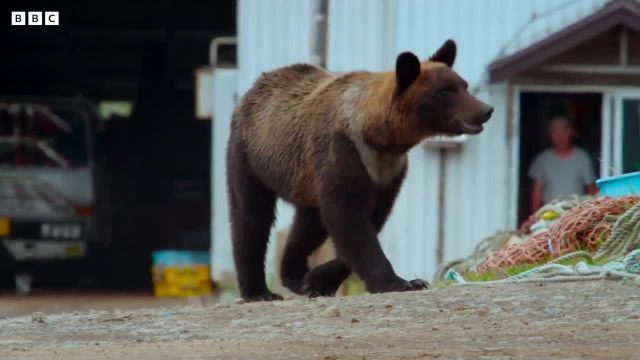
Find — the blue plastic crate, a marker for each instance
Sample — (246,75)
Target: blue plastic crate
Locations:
(623,185)
(179,257)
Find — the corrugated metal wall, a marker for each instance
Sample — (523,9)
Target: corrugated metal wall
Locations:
(271,33)
(368,34)
(360,32)
(223,92)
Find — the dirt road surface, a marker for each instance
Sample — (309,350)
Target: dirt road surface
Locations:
(12,305)
(588,320)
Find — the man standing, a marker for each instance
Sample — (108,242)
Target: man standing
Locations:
(562,170)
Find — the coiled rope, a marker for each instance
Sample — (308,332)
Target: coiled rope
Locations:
(618,249)
(624,237)
(628,268)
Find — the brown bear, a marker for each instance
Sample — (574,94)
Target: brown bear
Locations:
(335,146)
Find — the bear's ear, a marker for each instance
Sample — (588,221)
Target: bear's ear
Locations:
(446,54)
(407,70)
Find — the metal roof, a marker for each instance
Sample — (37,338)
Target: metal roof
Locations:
(612,14)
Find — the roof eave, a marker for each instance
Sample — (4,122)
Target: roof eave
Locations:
(581,31)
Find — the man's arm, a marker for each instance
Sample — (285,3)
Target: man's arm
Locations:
(536,174)
(589,176)
(536,196)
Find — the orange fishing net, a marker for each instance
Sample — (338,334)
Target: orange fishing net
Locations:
(584,227)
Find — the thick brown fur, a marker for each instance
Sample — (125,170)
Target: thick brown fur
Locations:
(335,147)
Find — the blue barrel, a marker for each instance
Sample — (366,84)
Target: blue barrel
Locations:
(180,257)
(623,185)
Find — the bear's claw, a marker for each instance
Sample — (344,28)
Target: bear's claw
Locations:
(265,296)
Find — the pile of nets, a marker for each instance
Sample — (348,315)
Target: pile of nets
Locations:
(627,268)
(489,245)
(538,222)
(609,227)
(548,214)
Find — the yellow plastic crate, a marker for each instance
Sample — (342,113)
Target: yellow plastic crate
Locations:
(181,290)
(181,281)
(191,274)
(182,274)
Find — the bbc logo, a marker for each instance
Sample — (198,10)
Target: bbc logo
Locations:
(35,18)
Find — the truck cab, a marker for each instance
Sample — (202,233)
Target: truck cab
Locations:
(47,182)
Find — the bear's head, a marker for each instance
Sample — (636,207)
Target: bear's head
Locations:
(434,98)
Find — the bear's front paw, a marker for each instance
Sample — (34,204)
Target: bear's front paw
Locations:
(265,296)
(294,285)
(396,285)
(419,284)
(316,283)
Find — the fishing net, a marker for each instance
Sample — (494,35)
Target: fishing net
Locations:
(586,226)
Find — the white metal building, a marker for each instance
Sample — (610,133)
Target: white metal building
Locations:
(520,56)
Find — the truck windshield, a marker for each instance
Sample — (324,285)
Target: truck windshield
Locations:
(38,136)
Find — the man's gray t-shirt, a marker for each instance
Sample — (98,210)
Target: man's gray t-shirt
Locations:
(562,177)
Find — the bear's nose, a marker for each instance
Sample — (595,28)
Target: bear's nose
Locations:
(486,115)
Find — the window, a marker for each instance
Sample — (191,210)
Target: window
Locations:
(630,135)
(36,136)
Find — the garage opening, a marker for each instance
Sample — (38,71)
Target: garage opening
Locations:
(150,167)
(584,110)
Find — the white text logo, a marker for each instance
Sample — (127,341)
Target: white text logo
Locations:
(35,18)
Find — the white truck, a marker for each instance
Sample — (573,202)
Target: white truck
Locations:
(47,182)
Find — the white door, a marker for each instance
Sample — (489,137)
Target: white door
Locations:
(621,133)
(607,140)
(625,139)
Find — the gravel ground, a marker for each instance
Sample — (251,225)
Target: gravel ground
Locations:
(12,305)
(583,320)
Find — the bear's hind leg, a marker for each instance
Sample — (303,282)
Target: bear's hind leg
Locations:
(307,234)
(325,279)
(252,212)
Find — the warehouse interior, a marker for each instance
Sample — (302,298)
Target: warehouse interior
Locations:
(138,59)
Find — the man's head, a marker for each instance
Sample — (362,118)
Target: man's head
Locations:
(561,133)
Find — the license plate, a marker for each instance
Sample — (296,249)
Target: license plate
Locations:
(73,250)
(5,227)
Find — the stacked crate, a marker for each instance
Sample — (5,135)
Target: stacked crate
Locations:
(181,273)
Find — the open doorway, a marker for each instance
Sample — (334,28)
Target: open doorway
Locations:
(536,110)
